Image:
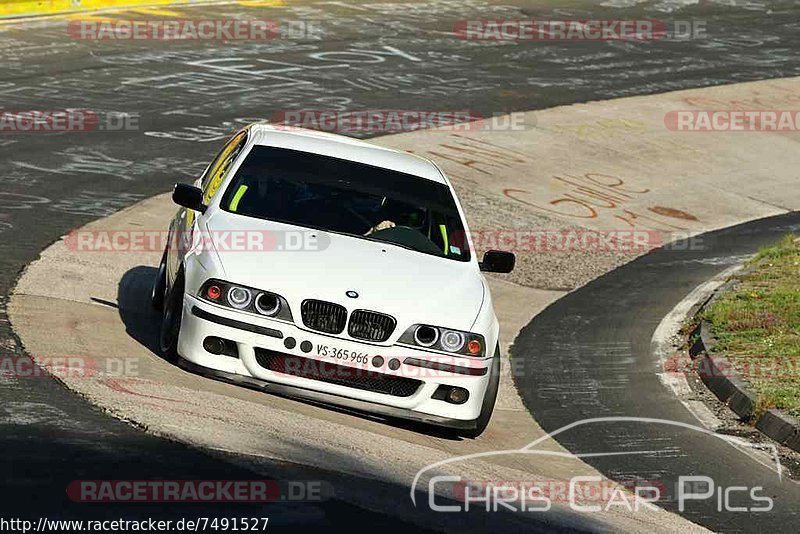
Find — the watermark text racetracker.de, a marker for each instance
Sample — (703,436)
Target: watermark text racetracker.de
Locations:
(733,120)
(399,120)
(757,367)
(66,366)
(66,120)
(530,240)
(196,241)
(193,30)
(578,29)
(174,491)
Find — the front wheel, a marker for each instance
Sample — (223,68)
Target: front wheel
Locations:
(171,320)
(159,285)
(488,399)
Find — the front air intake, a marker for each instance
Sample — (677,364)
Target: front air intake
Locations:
(371,326)
(323,316)
(352,377)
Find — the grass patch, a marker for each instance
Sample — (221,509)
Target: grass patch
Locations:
(757,326)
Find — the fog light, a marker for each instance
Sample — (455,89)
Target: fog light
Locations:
(214,345)
(457,395)
(221,347)
(213,292)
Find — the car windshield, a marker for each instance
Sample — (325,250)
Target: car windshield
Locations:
(348,197)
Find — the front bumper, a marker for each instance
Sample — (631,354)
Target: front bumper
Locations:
(254,335)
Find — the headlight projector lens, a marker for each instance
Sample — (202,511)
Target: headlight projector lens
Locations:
(452,341)
(267,304)
(239,297)
(426,336)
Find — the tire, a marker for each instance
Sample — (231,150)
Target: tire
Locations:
(160,285)
(171,321)
(488,399)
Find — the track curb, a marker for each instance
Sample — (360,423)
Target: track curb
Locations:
(724,381)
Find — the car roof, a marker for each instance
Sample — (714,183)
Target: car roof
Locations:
(339,146)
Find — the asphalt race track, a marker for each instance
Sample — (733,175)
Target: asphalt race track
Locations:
(186,98)
(589,355)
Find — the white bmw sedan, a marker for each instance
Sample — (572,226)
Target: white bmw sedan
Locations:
(317,266)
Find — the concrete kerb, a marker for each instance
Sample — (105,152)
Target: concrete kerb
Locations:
(725,382)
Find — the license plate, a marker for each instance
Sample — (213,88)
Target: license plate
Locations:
(344,355)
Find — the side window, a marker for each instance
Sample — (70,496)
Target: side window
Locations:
(219,168)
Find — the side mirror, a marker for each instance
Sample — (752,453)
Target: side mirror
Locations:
(188,196)
(498,261)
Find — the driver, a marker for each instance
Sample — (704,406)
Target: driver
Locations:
(393,211)
(383,225)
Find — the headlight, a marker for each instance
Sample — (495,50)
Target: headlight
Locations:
(425,335)
(268,304)
(444,339)
(239,297)
(245,299)
(452,341)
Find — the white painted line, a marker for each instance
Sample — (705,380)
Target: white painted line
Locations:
(703,413)
(661,346)
(662,342)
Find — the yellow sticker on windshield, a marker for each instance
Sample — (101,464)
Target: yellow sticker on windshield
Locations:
(237,197)
(443,229)
(220,167)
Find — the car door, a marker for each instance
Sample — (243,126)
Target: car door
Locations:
(183,225)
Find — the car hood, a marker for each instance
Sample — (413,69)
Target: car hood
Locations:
(413,287)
